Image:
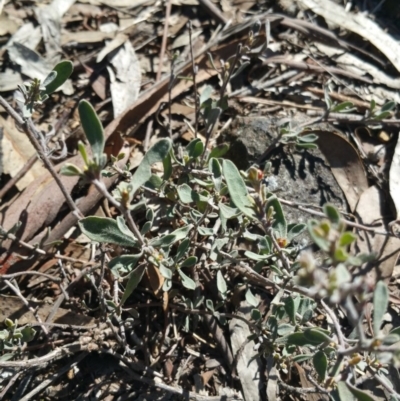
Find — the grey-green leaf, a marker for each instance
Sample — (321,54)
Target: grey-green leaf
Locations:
(344,392)
(291,308)
(187,281)
(221,283)
(294,230)
(359,394)
(320,362)
(280,223)
(105,230)
(63,71)
(251,299)
(189,262)
(237,189)
(157,153)
(216,169)
(123,264)
(332,213)
(182,248)
(92,128)
(28,334)
(134,279)
(381,301)
(169,239)
(219,150)
(195,148)
(227,211)
(70,170)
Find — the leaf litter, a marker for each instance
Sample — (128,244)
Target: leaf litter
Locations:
(132,97)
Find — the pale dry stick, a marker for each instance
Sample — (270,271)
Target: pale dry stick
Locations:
(160,66)
(317,385)
(355,119)
(85,344)
(225,83)
(40,251)
(284,259)
(214,11)
(45,383)
(29,273)
(298,390)
(176,390)
(138,366)
(64,326)
(132,225)
(335,321)
(32,133)
(321,214)
(383,383)
(194,73)
(17,292)
(11,381)
(164,39)
(196,312)
(258,86)
(27,166)
(331,73)
(251,274)
(62,296)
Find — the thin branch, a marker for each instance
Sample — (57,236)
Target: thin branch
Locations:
(17,292)
(194,73)
(45,383)
(31,131)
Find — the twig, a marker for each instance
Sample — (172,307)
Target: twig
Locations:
(27,166)
(17,292)
(194,73)
(299,390)
(335,323)
(64,326)
(9,384)
(29,273)
(86,344)
(164,39)
(127,215)
(347,222)
(214,11)
(175,390)
(30,130)
(47,382)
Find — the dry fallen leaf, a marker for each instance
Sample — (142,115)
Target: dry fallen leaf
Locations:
(394,178)
(155,279)
(13,308)
(248,363)
(345,164)
(372,209)
(16,150)
(358,23)
(125,84)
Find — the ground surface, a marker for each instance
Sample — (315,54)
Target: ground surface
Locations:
(309,68)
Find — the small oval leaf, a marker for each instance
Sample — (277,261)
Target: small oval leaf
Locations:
(320,362)
(134,279)
(64,70)
(92,128)
(105,230)
(187,281)
(237,189)
(381,301)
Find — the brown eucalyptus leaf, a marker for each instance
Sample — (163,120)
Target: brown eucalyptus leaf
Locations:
(372,209)
(394,178)
(13,308)
(345,164)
